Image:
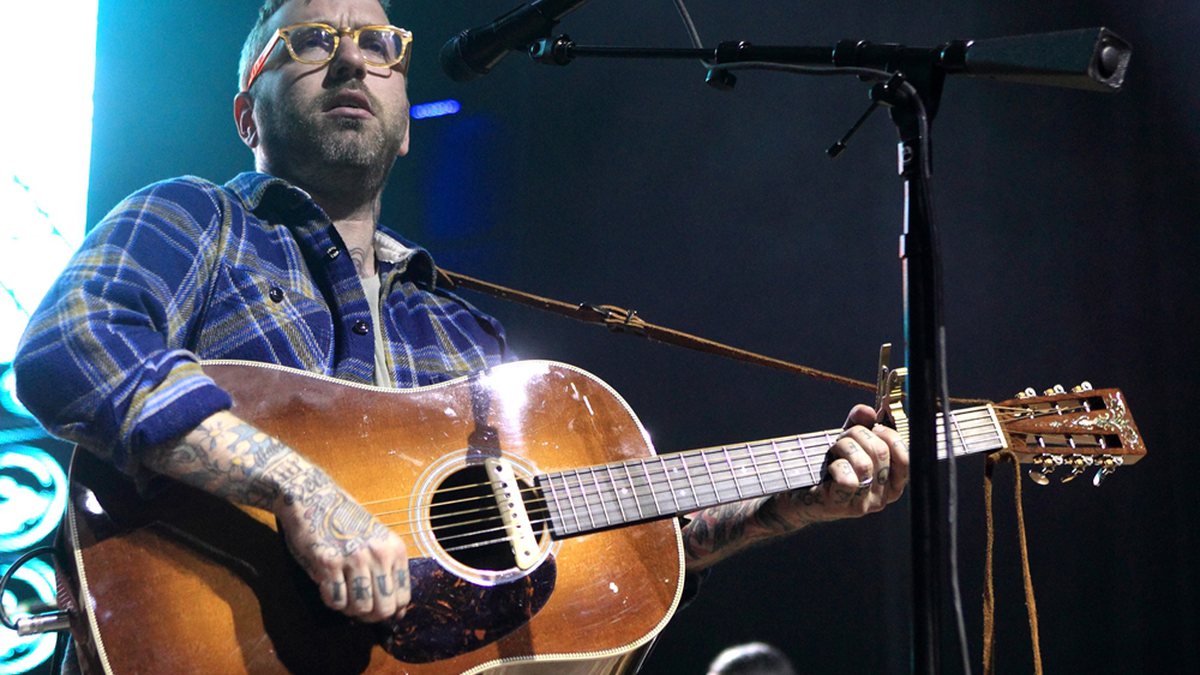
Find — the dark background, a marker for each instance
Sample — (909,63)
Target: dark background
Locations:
(1068,221)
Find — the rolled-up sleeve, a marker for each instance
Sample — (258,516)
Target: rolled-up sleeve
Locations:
(104,361)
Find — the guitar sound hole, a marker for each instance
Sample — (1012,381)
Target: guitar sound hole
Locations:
(466,520)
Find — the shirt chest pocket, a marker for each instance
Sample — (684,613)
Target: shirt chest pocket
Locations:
(256,315)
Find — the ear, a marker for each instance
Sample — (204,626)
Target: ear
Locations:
(404,144)
(243,118)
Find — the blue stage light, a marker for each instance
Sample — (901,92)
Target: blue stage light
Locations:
(422,111)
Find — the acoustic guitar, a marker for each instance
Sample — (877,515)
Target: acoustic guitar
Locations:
(539,520)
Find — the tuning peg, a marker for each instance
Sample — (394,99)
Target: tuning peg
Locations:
(1027,393)
(1108,466)
(1081,387)
(1056,389)
(1078,464)
(1043,466)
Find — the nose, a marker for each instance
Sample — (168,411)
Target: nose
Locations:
(347,63)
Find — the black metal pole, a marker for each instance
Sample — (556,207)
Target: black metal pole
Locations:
(921,274)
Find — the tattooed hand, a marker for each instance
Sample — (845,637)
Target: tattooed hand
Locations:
(867,469)
(360,566)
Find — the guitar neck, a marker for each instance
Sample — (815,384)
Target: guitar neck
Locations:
(621,493)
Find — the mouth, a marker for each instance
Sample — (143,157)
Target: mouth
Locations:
(349,103)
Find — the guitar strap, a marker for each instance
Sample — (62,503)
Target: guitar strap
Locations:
(989,592)
(621,320)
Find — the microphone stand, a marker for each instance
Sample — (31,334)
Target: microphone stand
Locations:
(912,98)
(908,81)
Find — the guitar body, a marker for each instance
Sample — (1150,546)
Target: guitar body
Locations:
(175,580)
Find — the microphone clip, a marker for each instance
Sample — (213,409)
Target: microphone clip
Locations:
(553,51)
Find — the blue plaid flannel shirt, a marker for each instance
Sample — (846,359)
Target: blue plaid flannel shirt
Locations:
(186,270)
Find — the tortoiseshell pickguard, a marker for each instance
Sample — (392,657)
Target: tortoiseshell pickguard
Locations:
(449,616)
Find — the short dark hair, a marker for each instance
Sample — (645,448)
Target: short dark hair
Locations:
(258,36)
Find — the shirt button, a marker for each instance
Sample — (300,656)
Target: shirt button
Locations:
(361,327)
(333,253)
(276,294)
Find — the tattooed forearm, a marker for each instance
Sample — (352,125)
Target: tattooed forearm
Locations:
(716,533)
(231,459)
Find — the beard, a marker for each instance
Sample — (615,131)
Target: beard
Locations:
(327,152)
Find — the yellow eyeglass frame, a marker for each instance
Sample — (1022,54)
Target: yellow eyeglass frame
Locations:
(285,32)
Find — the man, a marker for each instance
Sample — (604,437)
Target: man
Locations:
(289,265)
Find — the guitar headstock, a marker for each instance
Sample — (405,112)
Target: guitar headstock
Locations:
(1076,430)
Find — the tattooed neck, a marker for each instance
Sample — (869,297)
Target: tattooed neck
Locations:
(364,261)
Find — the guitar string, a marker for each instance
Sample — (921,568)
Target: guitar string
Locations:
(659,469)
(610,495)
(599,497)
(686,460)
(973,414)
(586,493)
(662,470)
(689,458)
(505,539)
(1021,412)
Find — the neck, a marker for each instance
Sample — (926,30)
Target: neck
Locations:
(355,223)
(352,202)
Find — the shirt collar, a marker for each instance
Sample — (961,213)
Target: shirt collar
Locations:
(264,193)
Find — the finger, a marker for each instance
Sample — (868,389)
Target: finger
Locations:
(860,415)
(875,445)
(898,476)
(843,483)
(360,589)
(403,586)
(389,577)
(849,448)
(334,593)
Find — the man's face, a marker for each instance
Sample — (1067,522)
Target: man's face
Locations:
(340,114)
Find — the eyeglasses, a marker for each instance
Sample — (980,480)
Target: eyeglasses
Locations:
(316,43)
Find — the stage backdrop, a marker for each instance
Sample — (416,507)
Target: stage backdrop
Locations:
(1069,228)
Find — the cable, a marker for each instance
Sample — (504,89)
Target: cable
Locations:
(17,564)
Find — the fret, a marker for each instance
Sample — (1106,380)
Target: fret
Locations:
(814,476)
(612,480)
(600,495)
(571,503)
(732,472)
(587,506)
(712,479)
(687,474)
(633,488)
(994,427)
(762,487)
(649,483)
(556,515)
(779,460)
(670,484)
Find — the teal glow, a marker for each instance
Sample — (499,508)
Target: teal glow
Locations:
(33,496)
(30,589)
(46,136)
(8,395)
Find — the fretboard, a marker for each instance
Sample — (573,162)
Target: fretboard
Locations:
(610,495)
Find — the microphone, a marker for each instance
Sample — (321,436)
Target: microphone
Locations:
(1088,58)
(474,52)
